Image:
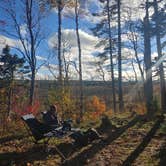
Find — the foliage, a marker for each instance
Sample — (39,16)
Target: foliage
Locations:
(139,108)
(64,101)
(10,65)
(25,108)
(95,108)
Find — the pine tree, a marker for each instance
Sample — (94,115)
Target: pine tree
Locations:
(10,66)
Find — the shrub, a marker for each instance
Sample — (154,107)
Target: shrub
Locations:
(64,101)
(95,108)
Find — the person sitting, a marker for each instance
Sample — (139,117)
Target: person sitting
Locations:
(50,117)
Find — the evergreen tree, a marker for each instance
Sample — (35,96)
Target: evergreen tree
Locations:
(159,31)
(10,66)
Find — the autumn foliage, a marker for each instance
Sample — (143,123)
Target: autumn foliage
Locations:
(95,108)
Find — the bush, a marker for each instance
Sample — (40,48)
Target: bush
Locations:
(95,108)
(64,101)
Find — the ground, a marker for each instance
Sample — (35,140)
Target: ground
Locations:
(126,141)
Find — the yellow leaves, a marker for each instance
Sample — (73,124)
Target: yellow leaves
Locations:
(94,108)
(141,109)
(64,101)
(97,105)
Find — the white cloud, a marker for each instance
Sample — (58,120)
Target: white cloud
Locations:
(88,43)
(89,50)
(41,58)
(8,41)
(23,30)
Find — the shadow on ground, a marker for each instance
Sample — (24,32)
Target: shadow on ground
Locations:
(22,158)
(130,159)
(162,155)
(80,159)
(11,138)
(38,152)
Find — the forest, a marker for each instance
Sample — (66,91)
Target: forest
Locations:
(82,82)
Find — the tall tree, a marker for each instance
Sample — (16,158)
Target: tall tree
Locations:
(25,26)
(147,59)
(111,56)
(59,5)
(134,36)
(107,34)
(158,31)
(120,92)
(80,59)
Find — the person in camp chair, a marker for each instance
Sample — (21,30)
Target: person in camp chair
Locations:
(51,117)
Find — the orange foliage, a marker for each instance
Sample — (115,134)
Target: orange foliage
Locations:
(94,108)
(141,109)
(27,109)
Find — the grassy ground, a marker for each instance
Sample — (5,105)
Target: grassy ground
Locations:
(128,140)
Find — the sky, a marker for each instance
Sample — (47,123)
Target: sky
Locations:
(46,50)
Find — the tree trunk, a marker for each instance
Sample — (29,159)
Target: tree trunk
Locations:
(120,93)
(59,41)
(32,87)
(135,73)
(80,60)
(148,88)
(32,51)
(111,58)
(139,65)
(159,51)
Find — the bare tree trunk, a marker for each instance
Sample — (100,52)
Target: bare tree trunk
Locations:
(30,42)
(111,58)
(120,93)
(80,60)
(148,88)
(66,70)
(135,73)
(159,50)
(139,64)
(59,41)
(32,51)
(32,87)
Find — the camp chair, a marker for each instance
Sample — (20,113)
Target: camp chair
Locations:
(41,131)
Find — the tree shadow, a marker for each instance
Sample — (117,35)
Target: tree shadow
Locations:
(21,158)
(37,152)
(80,159)
(130,159)
(162,155)
(11,138)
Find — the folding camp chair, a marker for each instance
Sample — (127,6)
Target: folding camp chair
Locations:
(41,131)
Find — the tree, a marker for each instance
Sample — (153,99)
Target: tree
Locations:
(80,59)
(107,34)
(59,4)
(134,36)
(120,90)
(159,21)
(25,25)
(148,88)
(111,56)
(11,65)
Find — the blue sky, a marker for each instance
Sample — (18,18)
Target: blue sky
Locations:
(88,41)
